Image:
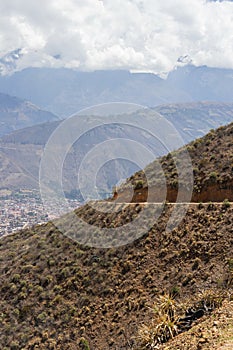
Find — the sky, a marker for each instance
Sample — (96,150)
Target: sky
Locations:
(138,35)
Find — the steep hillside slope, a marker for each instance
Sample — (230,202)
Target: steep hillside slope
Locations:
(56,293)
(194,120)
(59,294)
(19,166)
(17,114)
(212,159)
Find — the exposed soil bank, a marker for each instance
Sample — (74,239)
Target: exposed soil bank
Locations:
(214,193)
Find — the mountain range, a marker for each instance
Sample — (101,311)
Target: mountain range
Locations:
(20,152)
(150,267)
(16,113)
(66,91)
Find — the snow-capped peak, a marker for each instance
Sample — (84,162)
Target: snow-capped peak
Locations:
(8,62)
(184,60)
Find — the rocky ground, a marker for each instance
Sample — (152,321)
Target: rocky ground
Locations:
(212,333)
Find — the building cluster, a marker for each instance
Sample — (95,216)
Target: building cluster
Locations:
(19,211)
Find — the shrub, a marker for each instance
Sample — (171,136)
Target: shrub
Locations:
(16,278)
(14,345)
(175,291)
(164,326)
(213,176)
(171,318)
(210,299)
(138,185)
(42,317)
(230,264)
(226,204)
(84,344)
(160,331)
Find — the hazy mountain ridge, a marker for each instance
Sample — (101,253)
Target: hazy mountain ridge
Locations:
(66,91)
(24,147)
(16,114)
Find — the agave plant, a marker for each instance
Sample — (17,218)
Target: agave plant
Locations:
(167,305)
(164,325)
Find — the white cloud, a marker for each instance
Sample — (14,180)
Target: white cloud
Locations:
(146,35)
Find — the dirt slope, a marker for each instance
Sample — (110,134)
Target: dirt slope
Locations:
(54,292)
(212,165)
(58,294)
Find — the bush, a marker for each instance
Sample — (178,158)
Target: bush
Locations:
(171,318)
(164,326)
(213,176)
(226,204)
(84,344)
(138,185)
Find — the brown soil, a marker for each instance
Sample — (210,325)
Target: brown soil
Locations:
(214,193)
(212,333)
(56,293)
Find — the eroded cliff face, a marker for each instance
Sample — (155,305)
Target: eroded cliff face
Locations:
(212,193)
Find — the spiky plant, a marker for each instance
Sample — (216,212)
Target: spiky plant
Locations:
(211,299)
(164,325)
(160,330)
(166,304)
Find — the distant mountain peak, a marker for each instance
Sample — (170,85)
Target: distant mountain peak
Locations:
(184,60)
(16,113)
(8,62)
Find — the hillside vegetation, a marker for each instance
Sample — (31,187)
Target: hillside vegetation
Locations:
(59,294)
(55,292)
(212,163)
